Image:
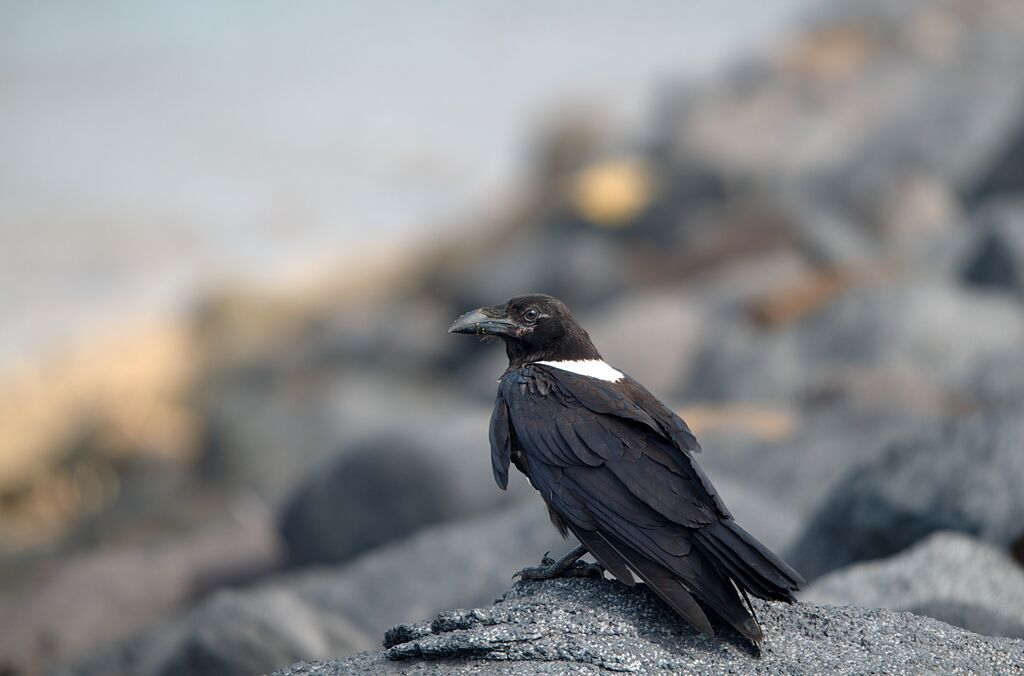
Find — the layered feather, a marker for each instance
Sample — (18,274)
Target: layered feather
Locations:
(616,466)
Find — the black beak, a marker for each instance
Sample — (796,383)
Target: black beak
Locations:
(479,322)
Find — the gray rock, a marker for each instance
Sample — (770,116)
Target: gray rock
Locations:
(909,346)
(948,576)
(331,611)
(740,362)
(652,336)
(470,562)
(766,515)
(458,564)
(997,379)
(964,476)
(997,259)
(91,598)
(585,626)
(380,491)
(233,633)
(347,459)
(801,469)
(867,95)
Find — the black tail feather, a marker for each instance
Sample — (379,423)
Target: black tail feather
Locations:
(605,554)
(665,584)
(748,562)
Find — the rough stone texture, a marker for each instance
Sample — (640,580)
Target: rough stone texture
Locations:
(232,634)
(964,476)
(948,576)
(584,626)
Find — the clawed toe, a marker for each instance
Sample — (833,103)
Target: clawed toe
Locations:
(568,566)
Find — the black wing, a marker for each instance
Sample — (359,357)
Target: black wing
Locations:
(615,465)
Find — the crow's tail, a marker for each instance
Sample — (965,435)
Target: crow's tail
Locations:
(750,565)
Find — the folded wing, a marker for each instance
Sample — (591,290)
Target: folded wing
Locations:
(615,464)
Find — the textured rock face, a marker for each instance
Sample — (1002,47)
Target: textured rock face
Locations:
(964,476)
(584,626)
(948,576)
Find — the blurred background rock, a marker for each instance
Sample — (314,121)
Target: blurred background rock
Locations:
(233,431)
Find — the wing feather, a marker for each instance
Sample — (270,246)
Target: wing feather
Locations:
(501,442)
(615,465)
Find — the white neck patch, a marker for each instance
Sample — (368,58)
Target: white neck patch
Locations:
(594,368)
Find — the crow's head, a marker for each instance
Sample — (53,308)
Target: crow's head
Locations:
(536,327)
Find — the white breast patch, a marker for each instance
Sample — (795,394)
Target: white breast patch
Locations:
(595,368)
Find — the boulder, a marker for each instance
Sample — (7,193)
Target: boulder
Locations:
(948,576)
(964,476)
(865,97)
(233,633)
(908,345)
(88,599)
(330,611)
(800,469)
(765,515)
(588,626)
(652,336)
(996,380)
(349,463)
(469,562)
(997,259)
(380,491)
(458,564)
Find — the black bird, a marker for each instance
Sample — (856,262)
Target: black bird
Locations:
(615,467)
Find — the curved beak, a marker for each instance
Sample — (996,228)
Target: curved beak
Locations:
(481,323)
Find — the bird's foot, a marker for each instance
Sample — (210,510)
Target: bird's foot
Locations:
(567,566)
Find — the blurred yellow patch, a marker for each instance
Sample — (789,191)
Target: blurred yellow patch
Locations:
(612,193)
(125,394)
(762,422)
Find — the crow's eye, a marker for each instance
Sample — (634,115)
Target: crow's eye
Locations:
(531,314)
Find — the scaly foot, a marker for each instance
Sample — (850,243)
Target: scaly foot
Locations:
(567,566)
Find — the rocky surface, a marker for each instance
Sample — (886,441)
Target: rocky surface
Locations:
(231,634)
(802,467)
(337,511)
(584,626)
(101,596)
(996,261)
(459,564)
(907,344)
(835,306)
(330,611)
(964,475)
(948,576)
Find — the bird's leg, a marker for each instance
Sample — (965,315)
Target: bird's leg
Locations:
(567,566)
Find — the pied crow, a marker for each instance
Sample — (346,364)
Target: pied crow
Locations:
(616,468)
